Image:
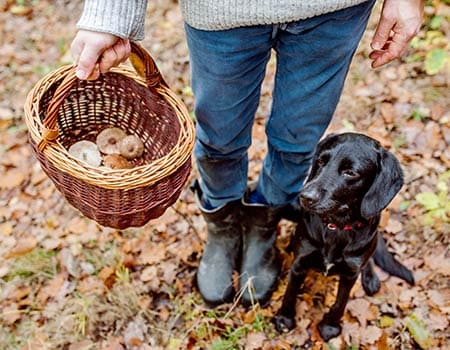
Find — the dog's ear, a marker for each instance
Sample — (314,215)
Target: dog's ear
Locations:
(387,183)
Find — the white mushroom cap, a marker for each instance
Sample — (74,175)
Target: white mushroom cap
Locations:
(131,147)
(108,140)
(86,151)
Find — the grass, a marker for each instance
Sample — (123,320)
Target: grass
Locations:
(36,265)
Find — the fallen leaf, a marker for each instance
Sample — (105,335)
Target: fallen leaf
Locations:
(436,298)
(11,314)
(68,262)
(386,321)
(149,273)
(393,226)
(438,321)
(370,335)
(255,340)
(51,289)
(153,253)
(91,284)
(13,178)
(82,345)
(438,263)
(6,229)
(21,10)
(134,333)
(108,276)
(113,344)
(418,331)
(24,246)
(383,343)
(360,309)
(77,225)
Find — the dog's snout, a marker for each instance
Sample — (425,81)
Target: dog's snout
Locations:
(309,196)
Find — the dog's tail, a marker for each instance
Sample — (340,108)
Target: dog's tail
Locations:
(384,259)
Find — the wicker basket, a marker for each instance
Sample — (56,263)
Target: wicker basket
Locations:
(61,110)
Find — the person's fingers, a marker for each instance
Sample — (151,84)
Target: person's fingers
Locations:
(123,50)
(395,48)
(383,58)
(382,33)
(108,59)
(87,60)
(75,49)
(95,74)
(114,55)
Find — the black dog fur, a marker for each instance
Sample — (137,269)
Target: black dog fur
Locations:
(352,179)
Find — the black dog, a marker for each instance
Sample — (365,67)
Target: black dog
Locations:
(352,180)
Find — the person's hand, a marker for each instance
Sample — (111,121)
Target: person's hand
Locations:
(96,52)
(400,21)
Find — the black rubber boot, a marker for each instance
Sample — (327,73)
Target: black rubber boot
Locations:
(221,253)
(260,263)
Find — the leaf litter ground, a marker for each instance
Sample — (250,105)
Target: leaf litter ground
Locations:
(67,283)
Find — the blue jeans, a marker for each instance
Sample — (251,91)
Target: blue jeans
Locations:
(227,70)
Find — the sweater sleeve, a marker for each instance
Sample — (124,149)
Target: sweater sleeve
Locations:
(125,19)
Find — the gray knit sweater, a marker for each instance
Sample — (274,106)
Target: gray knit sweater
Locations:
(125,18)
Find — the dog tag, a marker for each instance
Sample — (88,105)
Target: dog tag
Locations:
(328,268)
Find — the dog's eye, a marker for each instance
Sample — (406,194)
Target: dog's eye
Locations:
(321,162)
(350,174)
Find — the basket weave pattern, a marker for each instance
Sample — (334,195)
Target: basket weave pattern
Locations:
(61,110)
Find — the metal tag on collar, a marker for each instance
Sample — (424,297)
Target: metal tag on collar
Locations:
(332,226)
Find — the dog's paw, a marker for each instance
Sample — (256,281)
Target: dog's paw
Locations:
(328,331)
(284,324)
(371,284)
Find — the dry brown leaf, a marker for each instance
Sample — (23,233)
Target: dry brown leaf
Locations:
(153,253)
(6,229)
(438,263)
(82,345)
(68,262)
(11,313)
(113,344)
(255,340)
(360,309)
(13,178)
(91,284)
(77,225)
(436,298)
(19,294)
(388,112)
(370,335)
(164,313)
(106,272)
(383,343)
(23,246)
(438,321)
(149,273)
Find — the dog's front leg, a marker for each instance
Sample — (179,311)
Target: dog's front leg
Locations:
(330,326)
(285,320)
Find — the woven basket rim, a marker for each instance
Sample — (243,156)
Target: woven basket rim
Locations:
(143,175)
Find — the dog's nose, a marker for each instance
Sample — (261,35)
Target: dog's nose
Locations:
(309,196)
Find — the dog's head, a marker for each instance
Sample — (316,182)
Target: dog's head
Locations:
(351,173)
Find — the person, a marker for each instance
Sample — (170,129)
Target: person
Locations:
(229,44)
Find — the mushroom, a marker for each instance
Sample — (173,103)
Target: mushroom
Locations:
(116,161)
(108,140)
(131,147)
(86,151)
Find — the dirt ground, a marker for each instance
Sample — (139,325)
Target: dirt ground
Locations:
(68,283)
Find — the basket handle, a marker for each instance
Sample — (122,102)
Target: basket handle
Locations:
(142,62)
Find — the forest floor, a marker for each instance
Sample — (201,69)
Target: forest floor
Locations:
(68,283)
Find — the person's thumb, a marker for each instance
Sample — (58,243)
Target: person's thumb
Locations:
(89,56)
